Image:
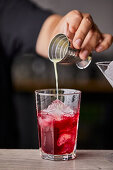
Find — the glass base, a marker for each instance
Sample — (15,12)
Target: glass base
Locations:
(58,157)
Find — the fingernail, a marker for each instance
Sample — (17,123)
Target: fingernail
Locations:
(99,49)
(78,42)
(84,54)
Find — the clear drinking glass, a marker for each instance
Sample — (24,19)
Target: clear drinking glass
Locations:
(58,122)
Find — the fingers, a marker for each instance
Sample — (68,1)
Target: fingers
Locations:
(74,19)
(72,22)
(105,43)
(77,27)
(91,41)
(82,31)
(84,34)
(95,41)
(67,32)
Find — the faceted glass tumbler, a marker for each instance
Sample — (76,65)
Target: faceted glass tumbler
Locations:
(58,121)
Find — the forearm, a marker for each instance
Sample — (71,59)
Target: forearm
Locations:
(46,34)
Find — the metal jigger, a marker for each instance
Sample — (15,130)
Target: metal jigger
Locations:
(60,50)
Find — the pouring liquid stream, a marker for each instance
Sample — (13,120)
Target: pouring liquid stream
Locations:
(55,61)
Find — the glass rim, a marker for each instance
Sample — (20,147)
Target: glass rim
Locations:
(103,62)
(72,92)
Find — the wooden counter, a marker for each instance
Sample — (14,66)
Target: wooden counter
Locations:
(30,160)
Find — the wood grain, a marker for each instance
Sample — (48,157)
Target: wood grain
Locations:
(30,160)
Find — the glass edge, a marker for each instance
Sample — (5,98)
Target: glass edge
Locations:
(47,94)
(102,62)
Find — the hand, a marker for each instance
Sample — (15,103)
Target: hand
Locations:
(83,33)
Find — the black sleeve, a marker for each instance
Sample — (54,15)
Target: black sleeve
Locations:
(20,23)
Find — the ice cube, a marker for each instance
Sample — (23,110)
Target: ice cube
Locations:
(67,148)
(66,142)
(63,139)
(47,139)
(58,108)
(45,120)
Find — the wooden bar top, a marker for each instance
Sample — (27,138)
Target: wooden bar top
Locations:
(11,159)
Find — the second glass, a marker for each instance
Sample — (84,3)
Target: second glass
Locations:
(58,122)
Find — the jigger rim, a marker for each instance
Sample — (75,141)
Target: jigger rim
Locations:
(52,42)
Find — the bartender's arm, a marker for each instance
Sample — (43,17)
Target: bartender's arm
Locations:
(80,29)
